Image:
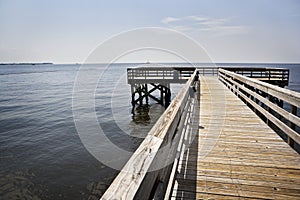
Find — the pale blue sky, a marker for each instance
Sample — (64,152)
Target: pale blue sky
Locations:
(230,30)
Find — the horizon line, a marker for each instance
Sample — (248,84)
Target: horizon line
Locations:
(77,63)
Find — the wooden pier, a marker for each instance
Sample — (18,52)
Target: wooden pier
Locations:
(219,142)
(246,158)
(144,81)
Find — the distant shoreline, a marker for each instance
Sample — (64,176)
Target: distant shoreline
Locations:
(43,63)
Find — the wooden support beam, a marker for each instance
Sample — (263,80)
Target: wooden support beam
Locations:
(147,94)
(144,93)
(291,142)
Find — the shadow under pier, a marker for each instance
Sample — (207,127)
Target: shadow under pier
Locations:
(185,184)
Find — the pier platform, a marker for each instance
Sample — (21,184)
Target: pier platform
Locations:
(236,155)
(218,138)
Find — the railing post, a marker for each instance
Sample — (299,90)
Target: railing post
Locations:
(292,126)
(268,109)
(256,97)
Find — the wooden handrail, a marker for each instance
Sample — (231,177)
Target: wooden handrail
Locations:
(148,170)
(255,92)
(158,74)
(208,71)
(277,76)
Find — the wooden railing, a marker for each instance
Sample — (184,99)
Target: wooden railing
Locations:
(268,101)
(150,170)
(153,74)
(208,71)
(276,76)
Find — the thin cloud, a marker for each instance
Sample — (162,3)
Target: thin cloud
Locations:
(168,20)
(221,26)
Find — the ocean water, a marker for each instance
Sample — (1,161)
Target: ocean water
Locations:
(41,154)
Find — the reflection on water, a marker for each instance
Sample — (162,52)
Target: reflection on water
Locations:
(141,115)
(17,185)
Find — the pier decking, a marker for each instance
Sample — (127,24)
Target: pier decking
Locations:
(217,142)
(236,155)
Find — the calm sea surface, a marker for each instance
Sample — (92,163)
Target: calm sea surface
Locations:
(41,154)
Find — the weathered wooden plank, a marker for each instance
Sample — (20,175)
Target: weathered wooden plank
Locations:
(248,179)
(290,132)
(150,163)
(182,194)
(235,188)
(279,184)
(248,159)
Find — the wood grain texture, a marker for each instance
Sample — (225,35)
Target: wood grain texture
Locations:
(236,155)
(150,163)
(237,87)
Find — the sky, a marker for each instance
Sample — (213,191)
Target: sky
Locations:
(63,31)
